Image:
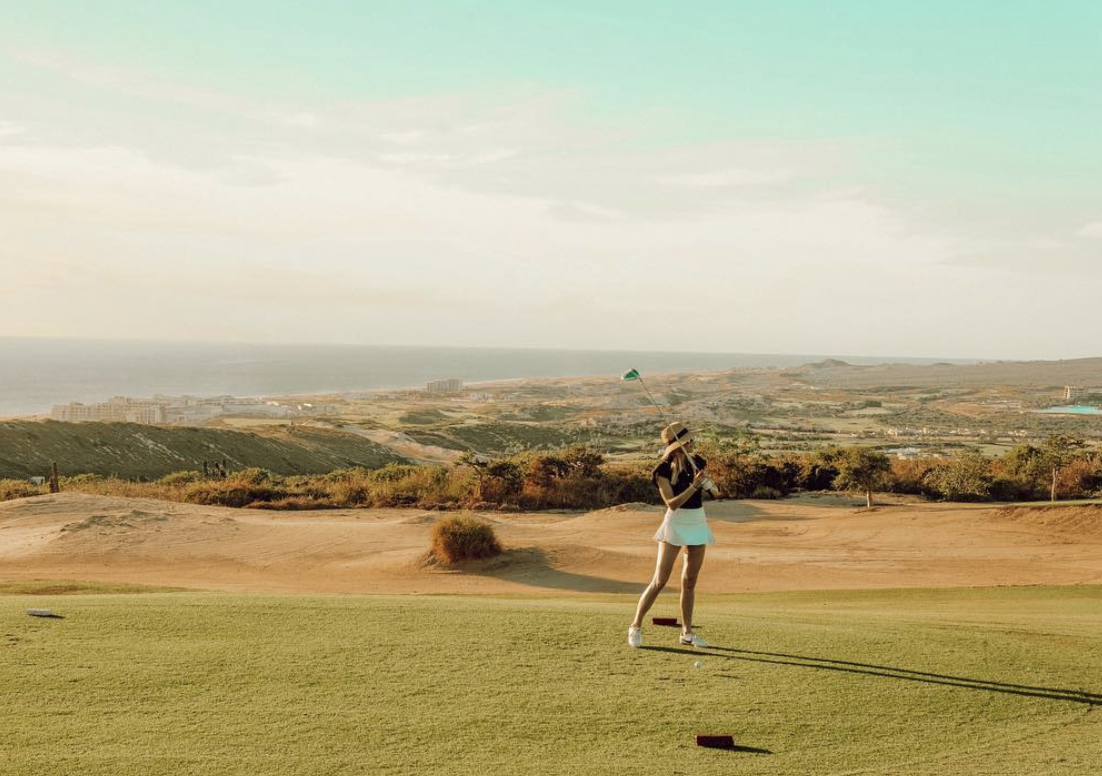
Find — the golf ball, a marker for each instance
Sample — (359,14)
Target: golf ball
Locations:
(698,664)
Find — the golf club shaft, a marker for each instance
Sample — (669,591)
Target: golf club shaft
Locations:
(692,463)
(652,401)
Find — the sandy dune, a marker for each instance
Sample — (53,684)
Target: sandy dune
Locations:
(785,545)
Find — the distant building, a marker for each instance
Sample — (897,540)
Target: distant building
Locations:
(182,410)
(116,410)
(905,453)
(1075,393)
(450,385)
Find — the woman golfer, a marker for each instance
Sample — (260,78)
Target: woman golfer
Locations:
(681,483)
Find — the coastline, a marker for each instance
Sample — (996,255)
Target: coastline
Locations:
(42,373)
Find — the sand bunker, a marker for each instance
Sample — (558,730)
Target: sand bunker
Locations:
(780,545)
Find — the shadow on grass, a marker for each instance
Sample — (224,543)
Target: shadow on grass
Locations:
(738,748)
(532,566)
(891,672)
(748,749)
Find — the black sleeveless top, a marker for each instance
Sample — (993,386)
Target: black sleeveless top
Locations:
(685,481)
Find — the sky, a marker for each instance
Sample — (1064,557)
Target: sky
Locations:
(898,178)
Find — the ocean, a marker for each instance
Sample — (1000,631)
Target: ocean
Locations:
(36,374)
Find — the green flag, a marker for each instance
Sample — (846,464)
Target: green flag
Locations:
(631,374)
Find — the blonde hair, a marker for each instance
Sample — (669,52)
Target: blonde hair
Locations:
(678,459)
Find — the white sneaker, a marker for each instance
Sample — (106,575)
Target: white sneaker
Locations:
(635,637)
(691,639)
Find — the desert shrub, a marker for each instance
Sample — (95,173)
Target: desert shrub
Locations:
(738,468)
(460,537)
(238,489)
(79,481)
(740,479)
(624,484)
(339,475)
(291,503)
(497,481)
(576,478)
(543,470)
(346,493)
(583,461)
(392,472)
(413,486)
(252,476)
(12,489)
(1080,478)
(217,494)
(765,492)
(502,480)
(181,478)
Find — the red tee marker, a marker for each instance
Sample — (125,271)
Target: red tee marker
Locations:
(716,742)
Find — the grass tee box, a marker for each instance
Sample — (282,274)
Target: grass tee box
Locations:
(976,681)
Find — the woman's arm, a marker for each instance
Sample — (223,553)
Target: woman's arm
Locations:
(665,487)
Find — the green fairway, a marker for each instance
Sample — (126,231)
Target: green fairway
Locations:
(984,681)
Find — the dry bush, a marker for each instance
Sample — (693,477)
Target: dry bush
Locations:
(910,476)
(12,489)
(181,478)
(460,537)
(1079,479)
(239,489)
(423,486)
(766,493)
(292,503)
(609,487)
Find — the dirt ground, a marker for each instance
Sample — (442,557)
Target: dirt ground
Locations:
(762,546)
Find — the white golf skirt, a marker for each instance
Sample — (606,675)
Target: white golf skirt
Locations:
(685,528)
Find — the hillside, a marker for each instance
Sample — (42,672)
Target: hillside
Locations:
(1028,374)
(130,450)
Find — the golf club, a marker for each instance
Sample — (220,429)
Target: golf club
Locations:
(634,375)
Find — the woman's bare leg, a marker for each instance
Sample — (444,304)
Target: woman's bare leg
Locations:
(667,556)
(694,559)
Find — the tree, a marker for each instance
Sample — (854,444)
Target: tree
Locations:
(820,468)
(966,478)
(496,479)
(584,461)
(735,464)
(861,469)
(1028,464)
(1058,451)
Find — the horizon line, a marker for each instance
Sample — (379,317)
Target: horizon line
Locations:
(253,343)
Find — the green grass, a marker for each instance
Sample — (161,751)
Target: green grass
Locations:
(981,681)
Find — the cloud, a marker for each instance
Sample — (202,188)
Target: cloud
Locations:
(727,178)
(583,212)
(10,129)
(508,218)
(127,81)
(1091,230)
